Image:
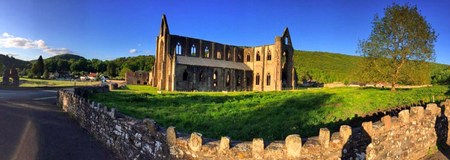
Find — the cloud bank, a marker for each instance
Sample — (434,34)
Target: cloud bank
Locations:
(9,41)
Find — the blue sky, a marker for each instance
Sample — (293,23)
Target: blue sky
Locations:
(107,29)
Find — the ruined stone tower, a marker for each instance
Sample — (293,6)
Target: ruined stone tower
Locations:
(188,64)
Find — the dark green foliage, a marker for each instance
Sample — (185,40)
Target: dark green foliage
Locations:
(38,67)
(63,65)
(398,47)
(111,69)
(441,77)
(268,115)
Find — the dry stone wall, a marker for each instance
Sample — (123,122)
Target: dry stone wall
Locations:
(409,135)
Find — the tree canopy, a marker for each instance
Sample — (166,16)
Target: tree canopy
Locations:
(398,46)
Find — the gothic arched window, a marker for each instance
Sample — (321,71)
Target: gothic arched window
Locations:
(178,49)
(193,50)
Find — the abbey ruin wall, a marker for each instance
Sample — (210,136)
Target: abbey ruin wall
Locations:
(408,135)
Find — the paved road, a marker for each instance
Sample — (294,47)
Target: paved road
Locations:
(33,127)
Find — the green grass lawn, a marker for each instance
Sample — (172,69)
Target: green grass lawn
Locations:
(269,115)
(26,82)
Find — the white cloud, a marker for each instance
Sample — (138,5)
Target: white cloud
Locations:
(10,41)
(133,51)
(58,51)
(5,34)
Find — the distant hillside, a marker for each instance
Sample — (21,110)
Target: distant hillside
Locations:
(67,57)
(333,67)
(4,59)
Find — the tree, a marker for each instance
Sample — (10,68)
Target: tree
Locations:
(1,69)
(63,65)
(51,65)
(46,75)
(124,71)
(111,69)
(401,38)
(38,68)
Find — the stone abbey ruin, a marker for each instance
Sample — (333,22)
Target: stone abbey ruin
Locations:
(189,64)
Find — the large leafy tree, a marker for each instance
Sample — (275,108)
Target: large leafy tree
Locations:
(398,46)
(38,68)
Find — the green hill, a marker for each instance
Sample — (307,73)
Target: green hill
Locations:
(66,57)
(4,59)
(333,67)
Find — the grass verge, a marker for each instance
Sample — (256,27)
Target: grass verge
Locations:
(269,115)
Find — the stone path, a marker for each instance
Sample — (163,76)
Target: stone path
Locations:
(33,127)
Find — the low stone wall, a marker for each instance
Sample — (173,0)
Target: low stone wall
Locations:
(128,137)
(407,136)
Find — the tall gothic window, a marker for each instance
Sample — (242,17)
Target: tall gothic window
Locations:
(178,49)
(219,55)
(215,75)
(269,56)
(206,52)
(228,78)
(201,76)
(248,57)
(238,81)
(257,79)
(258,57)
(193,50)
(185,75)
(286,40)
(268,79)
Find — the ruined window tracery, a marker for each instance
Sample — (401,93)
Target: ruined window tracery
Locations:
(178,49)
(286,40)
(229,55)
(206,52)
(257,79)
(193,50)
(268,79)
(258,57)
(269,56)
(248,57)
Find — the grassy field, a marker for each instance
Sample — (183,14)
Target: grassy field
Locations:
(270,115)
(26,82)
